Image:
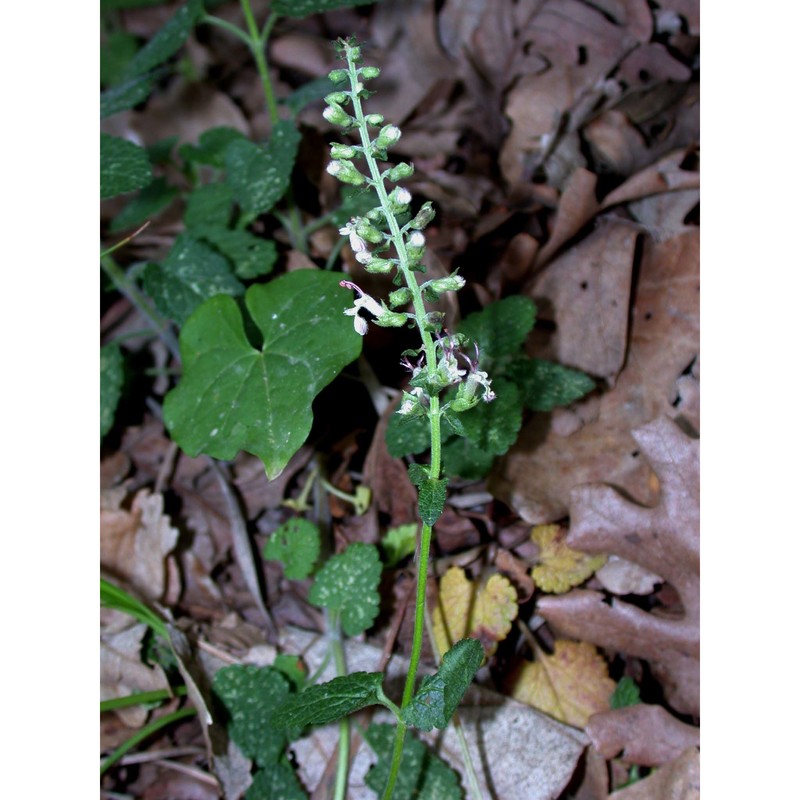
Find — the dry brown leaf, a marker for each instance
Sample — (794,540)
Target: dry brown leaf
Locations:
(517,570)
(536,476)
(664,538)
(466,609)
(679,780)
(560,568)
(569,685)
(135,543)
(641,734)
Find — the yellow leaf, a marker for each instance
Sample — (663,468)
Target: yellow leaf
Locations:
(465,609)
(560,567)
(570,685)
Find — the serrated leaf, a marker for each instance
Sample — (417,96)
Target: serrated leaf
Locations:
(439,694)
(545,385)
(501,328)
(112,375)
(466,609)
(405,437)
(422,773)
(348,583)
(327,702)
(234,396)
(467,460)
(276,782)
(399,542)
(296,544)
(208,206)
(124,166)
(250,695)
(494,426)
(250,255)
(168,40)
(210,148)
(559,567)
(191,273)
(570,685)
(625,694)
(432,493)
(259,176)
(126,95)
(303,8)
(150,201)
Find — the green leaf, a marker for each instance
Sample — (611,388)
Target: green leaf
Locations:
(191,273)
(467,460)
(422,773)
(260,176)
(276,782)
(250,695)
(494,426)
(356,202)
(348,583)
(303,8)
(327,702)
(250,255)
(307,93)
(432,493)
(399,542)
(112,5)
(112,376)
(293,668)
(626,694)
(405,437)
(234,396)
(545,385)
(439,695)
(208,206)
(210,149)
(501,328)
(124,166)
(116,51)
(150,201)
(296,544)
(167,41)
(126,95)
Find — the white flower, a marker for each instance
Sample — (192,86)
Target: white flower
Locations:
(417,239)
(362,301)
(356,242)
(402,196)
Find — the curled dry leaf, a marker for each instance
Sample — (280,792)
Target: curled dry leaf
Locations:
(569,685)
(678,779)
(536,476)
(135,543)
(465,609)
(641,734)
(665,538)
(560,568)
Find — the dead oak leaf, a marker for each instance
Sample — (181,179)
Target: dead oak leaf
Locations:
(480,612)
(664,539)
(560,567)
(680,778)
(569,685)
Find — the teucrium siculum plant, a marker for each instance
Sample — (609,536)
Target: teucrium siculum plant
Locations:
(445,377)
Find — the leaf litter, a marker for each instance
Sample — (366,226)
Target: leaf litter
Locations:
(560,144)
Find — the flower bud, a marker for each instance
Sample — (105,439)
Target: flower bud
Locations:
(337,97)
(399,199)
(388,135)
(391,319)
(336,115)
(343,150)
(424,216)
(379,266)
(354,54)
(415,247)
(376,215)
(369,72)
(400,297)
(345,172)
(402,170)
(374,120)
(337,76)
(452,283)
(368,232)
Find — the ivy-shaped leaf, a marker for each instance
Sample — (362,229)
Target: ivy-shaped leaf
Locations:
(501,328)
(259,176)
(250,255)
(168,40)
(304,8)
(124,166)
(422,773)
(559,567)
(348,583)
(296,544)
(112,374)
(432,493)
(439,694)
(234,396)
(191,273)
(327,702)
(250,695)
(545,385)
(399,542)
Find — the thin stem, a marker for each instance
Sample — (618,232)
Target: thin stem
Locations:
(257,42)
(141,698)
(343,764)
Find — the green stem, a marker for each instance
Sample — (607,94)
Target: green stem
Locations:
(143,733)
(343,764)
(141,698)
(257,42)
